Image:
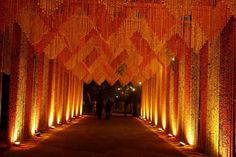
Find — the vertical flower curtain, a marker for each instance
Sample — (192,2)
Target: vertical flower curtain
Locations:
(93,38)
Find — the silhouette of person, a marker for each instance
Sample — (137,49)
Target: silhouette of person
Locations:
(108,109)
(127,102)
(99,108)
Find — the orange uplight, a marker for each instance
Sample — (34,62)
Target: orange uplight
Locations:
(68,110)
(190,134)
(17,143)
(34,120)
(52,103)
(58,119)
(17,130)
(156,118)
(81,99)
(51,115)
(174,128)
(67,113)
(182,143)
(77,101)
(81,109)
(77,109)
(15,135)
(164,122)
(72,110)
(170,135)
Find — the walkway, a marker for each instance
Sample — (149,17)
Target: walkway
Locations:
(117,137)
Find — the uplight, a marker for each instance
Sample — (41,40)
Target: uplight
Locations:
(52,127)
(17,143)
(182,143)
(37,133)
(170,135)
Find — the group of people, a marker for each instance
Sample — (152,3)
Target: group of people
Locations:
(104,105)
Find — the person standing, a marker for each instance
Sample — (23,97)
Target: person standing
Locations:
(108,109)
(99,108)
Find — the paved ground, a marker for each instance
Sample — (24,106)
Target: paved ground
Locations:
(117,137)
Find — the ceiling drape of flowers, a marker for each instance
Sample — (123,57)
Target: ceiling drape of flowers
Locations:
(126,40)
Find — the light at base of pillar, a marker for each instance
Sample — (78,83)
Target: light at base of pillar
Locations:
(37,133)
(160,129)
(52,127)
(17,143)
(182,143)
(170,135)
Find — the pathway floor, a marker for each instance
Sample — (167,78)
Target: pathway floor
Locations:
(116,137)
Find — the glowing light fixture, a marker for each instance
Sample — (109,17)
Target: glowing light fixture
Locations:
(52,127)
(173,59)
(170,135)
(17,143)
(160,129)
(181,143)
(140,83)
(117,96)
(37,133)
(118,89)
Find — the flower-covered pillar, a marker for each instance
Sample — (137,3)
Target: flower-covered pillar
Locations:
(203,90)
(212,102)
(17,85)
(227,82)
(28,131)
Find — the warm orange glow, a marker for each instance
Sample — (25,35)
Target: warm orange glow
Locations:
(51,116)
(58,119)
(15,135)
(68,111)
(76,98)
(147,109)
(18,126)
(164,121)
(81,98)
(68,100)
(173,120)
(190,137)
(151,101)
(142,103)
(155,91)
(163,98)
(53,99)
(17,143)
(138,41)
(34,120)
(72,98)
(51,113)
